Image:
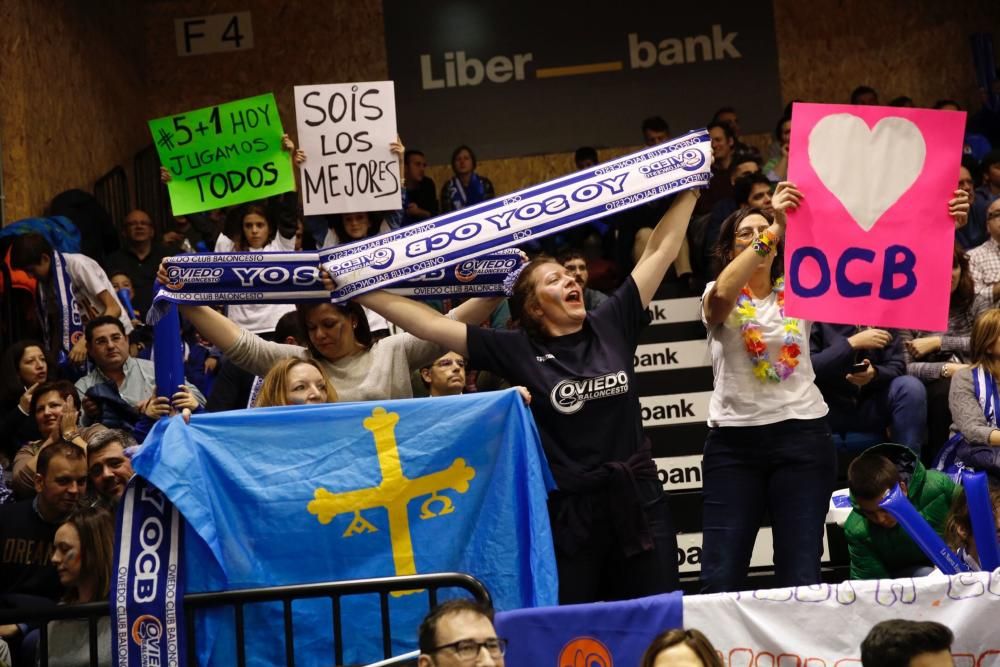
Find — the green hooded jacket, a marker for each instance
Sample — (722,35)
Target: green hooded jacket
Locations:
(877,552)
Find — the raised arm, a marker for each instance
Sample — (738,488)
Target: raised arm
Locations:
(217,329)
(423,321)
(477,310)
(721,300)
(111,306)
(663,245)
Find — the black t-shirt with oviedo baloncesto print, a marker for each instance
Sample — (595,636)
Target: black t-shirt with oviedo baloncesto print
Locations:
(583,391)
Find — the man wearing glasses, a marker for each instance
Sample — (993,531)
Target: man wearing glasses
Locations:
(445,376)
(139,257)
(460,632)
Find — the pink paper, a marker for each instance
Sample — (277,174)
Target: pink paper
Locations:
(873,179)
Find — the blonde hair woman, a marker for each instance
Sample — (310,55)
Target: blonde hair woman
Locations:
(295,381)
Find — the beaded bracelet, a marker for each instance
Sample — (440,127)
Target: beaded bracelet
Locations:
(765,243)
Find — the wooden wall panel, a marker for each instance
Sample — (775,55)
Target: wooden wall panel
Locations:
(295,42)
(73,96)
(79,80)
(917,48)
(14,49)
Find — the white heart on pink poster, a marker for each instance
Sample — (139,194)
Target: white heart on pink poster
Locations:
(868,170)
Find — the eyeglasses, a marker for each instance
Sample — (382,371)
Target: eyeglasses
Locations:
(468,649)
(746,234)
(447,363)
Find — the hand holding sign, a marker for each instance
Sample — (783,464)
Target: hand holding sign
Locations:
(873,241)
(346,130)
(786,198)
(222,155)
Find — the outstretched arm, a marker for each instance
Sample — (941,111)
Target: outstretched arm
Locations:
(217,329)
(423,321)
(663,245)
(721,300)
(477,310)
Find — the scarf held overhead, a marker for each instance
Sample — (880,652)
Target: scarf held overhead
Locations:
(293,277)
(532,213)
(467,252)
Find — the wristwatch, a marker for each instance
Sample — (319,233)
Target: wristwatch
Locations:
(70,436)
(945,373)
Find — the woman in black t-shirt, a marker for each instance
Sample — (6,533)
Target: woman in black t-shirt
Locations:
(612,530)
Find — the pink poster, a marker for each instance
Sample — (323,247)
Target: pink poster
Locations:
(872,241)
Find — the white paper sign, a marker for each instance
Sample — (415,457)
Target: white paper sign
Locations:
(823,625)
(345,130)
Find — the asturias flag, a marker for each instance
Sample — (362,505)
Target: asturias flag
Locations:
(309,494)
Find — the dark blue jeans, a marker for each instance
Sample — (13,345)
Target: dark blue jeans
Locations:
(788,469)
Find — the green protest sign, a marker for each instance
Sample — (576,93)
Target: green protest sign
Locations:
(223,155)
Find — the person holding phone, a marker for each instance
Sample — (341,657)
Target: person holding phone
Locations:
(861,372)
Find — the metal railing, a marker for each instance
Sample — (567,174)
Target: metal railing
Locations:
(111,190)
(150,194)
(238,599)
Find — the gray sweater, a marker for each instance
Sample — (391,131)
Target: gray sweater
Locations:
(967,416)
(954,341)
(383,372)
(69,643)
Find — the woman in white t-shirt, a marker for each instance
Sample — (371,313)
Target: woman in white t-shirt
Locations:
(769,447)
(351,227)
(258,233)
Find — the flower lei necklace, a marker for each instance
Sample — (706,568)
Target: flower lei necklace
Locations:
(763,369)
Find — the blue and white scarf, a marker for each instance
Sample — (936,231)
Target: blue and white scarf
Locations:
(69,312)
(454,254)
(985,388)
(462,197)
(148,587)
(293,277)
(532,213)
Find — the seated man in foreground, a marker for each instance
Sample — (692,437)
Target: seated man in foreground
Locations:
(460,632)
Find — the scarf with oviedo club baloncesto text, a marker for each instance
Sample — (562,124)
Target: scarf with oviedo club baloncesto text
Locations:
(457,254)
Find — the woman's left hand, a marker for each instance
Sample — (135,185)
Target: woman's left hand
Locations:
(958,208)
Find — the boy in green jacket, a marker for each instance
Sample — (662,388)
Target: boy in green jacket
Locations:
(879,547)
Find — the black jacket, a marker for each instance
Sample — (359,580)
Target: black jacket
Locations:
(833,356)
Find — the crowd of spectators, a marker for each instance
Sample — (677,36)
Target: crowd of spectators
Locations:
(79,392)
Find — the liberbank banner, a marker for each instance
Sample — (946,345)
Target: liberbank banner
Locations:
(515,77)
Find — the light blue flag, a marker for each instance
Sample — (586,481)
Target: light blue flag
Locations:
(309,494)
